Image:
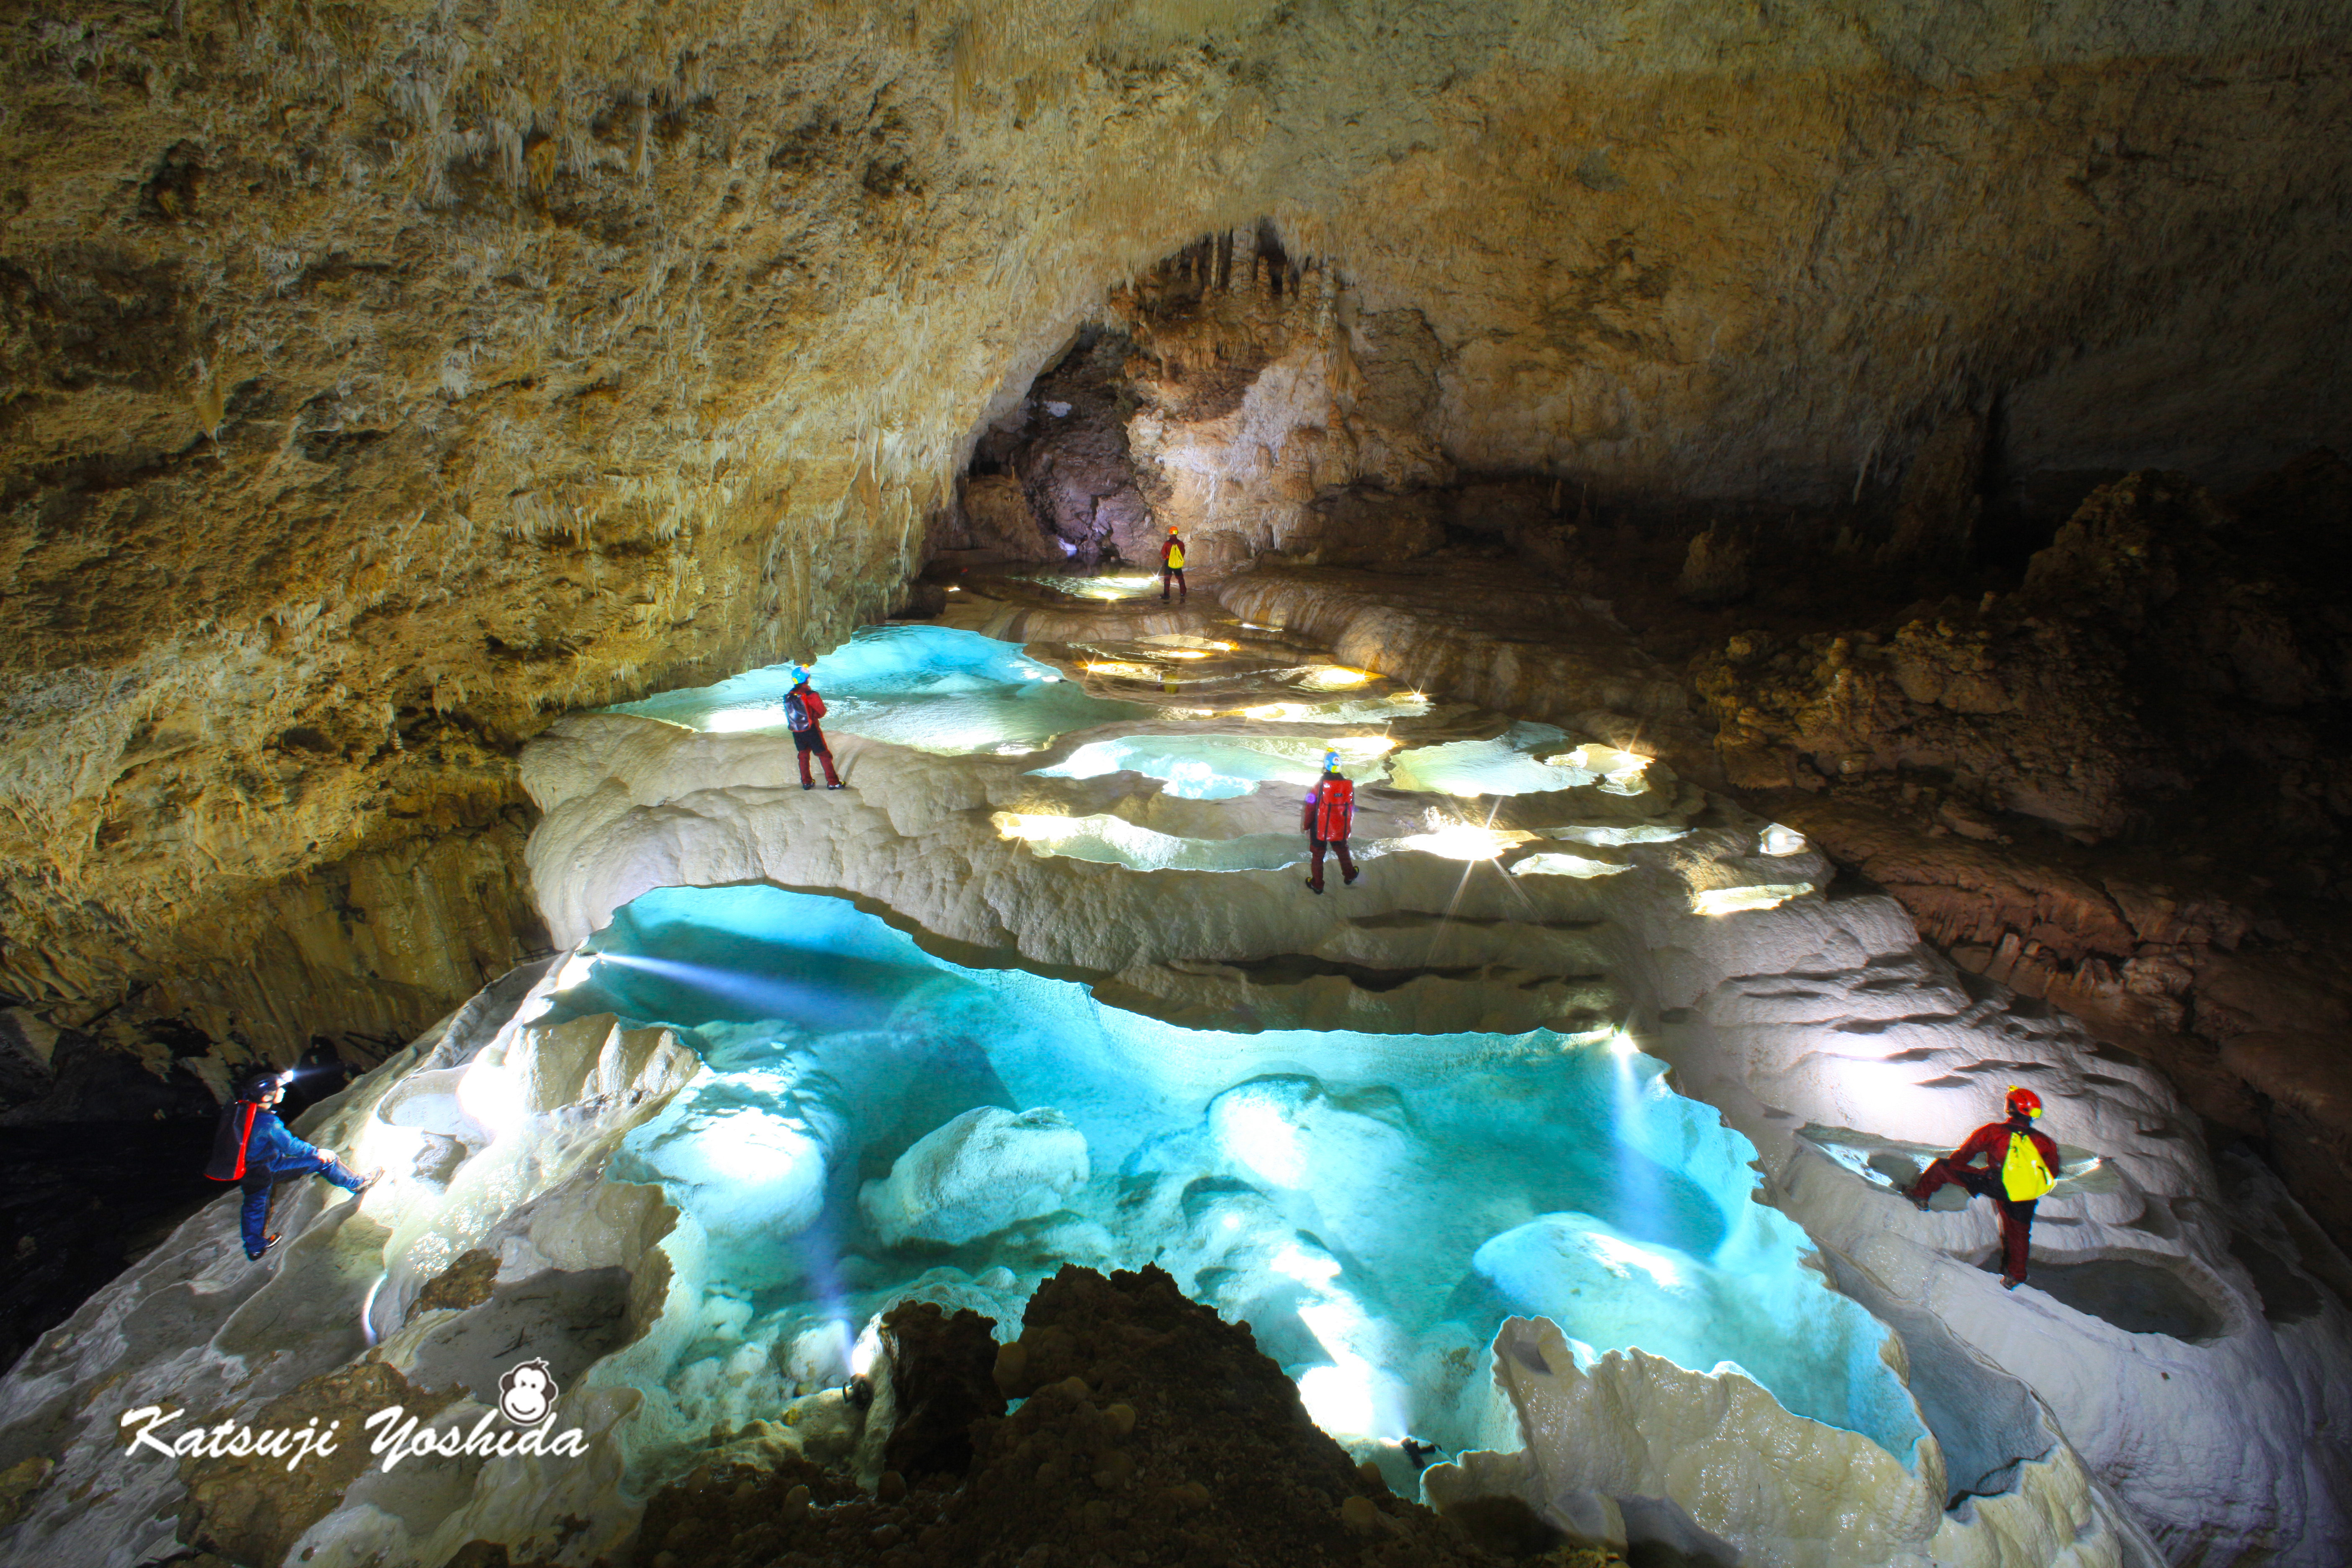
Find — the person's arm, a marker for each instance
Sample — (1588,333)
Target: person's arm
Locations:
(815,704)
(2042,1141)
(1306,817)
(273,1145)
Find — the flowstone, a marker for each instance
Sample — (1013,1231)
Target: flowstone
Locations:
(931,688)
(1378,1127)
(1331,1193)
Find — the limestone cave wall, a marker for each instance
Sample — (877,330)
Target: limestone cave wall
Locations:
(377,381)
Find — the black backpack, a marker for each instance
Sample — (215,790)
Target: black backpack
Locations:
(797,713)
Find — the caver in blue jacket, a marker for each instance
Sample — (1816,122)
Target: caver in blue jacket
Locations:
(252,1148)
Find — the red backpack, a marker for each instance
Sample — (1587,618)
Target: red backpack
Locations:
(1335,808)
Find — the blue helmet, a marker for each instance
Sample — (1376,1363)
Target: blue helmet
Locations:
(260,1085)
(1331,762)
(800,675)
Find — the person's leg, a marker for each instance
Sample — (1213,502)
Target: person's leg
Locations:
(824,755)
(1941,1174)
(1181,590)
(1167,575)
(1315,878)
(1347,865)
(1932,1180)
(343,1175)
(806,782)
(2016,1238)
(253,1219)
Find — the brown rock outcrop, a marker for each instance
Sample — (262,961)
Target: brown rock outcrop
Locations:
(1149,1427)
(386,378)
(1486,632)
(2169,687)
(253,1508)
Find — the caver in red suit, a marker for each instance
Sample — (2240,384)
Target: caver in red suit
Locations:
(802,708)
(1331,813)
(2019,1165)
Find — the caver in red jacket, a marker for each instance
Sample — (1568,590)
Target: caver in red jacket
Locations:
(802,708)
(1331,813)
(1992,1143)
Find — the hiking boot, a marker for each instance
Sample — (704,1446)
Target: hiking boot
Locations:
(1315,887)
(1348,878)
(266,1242)
(837,787)
(808,786)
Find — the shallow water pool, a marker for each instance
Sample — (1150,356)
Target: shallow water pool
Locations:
(1371,1205)
(933,689)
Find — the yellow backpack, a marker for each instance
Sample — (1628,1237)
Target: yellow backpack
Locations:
(1176,558)
(2025,1175)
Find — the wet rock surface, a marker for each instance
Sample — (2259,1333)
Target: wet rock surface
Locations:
(344,446)
(2118,788)
(253,1508)
(1147,1427)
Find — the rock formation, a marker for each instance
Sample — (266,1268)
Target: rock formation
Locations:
(2118,787)
(1147,1425)
(381,384)
(644,1164)
(1713,468)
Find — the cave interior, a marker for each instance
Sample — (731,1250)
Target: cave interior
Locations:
(1818,533)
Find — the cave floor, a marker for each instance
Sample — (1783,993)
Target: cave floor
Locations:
(1586,1042)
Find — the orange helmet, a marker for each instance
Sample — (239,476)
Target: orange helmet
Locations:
(2024,1102)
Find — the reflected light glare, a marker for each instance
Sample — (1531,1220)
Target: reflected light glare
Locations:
(1032,825)
(1733,900)
(491,1093)
(1261,1138)
(727,721)
(1621,1257)
(395,1149)
(868,1349)
(750,1148)
(1556,864)
(1308,1269)
(1463,840)
(1622,1045)
(1339,1399)
(1779,840)
(367,1309)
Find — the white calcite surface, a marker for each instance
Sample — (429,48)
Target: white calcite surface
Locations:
(1635,1445)
(1807,1012)
(812,1053)
(987,1169)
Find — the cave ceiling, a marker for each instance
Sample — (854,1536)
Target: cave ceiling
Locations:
(378,381)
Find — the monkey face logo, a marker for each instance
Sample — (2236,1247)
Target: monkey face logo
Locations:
(526,1393)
